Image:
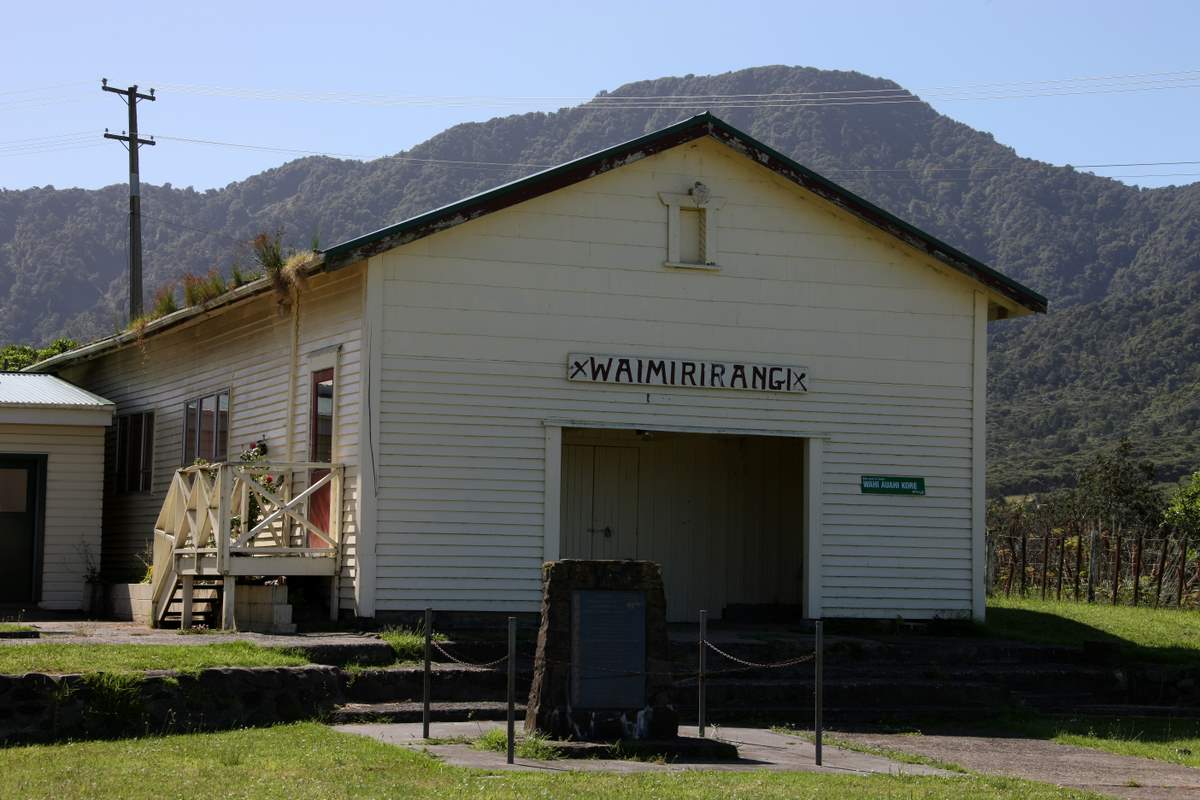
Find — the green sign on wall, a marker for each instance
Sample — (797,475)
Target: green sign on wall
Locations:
(891,484)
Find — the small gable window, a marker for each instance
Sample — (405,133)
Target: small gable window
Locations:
(692,228)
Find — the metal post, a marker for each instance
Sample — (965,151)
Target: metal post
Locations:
(818,679)
(426,687)
(512,686)
(700,675)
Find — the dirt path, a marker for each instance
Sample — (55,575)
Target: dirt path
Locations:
(1037,760)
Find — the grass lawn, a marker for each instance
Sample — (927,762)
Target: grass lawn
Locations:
(297,762)
(67,658)
(1165,635)
(15,627)
(409,643)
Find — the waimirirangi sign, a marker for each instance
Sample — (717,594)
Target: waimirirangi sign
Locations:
(649,371)
(891,484)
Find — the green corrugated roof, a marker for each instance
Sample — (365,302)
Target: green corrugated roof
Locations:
(695,127)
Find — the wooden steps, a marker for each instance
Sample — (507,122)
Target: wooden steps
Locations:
(206,605)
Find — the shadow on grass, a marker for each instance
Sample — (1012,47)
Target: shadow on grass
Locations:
(1047,628)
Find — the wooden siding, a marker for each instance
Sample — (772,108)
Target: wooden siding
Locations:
(74,493)
(478,321)
(247,349)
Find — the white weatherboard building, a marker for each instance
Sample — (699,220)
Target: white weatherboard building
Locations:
(685,348)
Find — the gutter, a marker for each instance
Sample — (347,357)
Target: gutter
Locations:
(174,319)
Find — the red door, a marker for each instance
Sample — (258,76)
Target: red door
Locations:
(320,449)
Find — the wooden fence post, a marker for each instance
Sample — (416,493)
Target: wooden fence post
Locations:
(1162,566)
(1078,560)
(1024,560)
(1116,573)
(1062,561)
(1183,548)
(1045,561)
(1137,565)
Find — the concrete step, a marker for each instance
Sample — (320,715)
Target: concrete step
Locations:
(874,694)
(447,684)
(352,713)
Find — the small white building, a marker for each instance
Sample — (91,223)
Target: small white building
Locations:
(51,490)
(686,348)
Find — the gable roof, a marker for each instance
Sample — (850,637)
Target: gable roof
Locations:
(696,127)
(566,174)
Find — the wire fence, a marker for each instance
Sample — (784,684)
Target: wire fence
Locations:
(676,678)
(1094,565)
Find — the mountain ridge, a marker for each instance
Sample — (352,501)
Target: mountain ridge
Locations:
(1094,246)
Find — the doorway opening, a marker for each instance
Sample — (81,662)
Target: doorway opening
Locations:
(22,500)
(722,514)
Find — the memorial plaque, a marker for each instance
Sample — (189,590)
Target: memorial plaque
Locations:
(602,670)
(608,649)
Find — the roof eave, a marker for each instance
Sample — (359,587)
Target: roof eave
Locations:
(130,337)
(689,129)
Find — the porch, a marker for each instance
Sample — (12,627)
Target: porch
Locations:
(229,520)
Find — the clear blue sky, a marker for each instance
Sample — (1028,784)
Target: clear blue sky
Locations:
(512,49)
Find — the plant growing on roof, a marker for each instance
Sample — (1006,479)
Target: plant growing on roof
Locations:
(164,301)
(285,270)
(198,290)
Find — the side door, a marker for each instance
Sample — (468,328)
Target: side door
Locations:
(599,502)
(320,447)
(20,519)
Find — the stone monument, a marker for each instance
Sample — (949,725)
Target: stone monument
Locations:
(602,670)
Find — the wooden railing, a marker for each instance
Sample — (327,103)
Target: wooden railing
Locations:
(216,516)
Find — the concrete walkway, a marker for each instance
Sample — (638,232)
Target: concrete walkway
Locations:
(124,632)
(759,749)
(1038,760)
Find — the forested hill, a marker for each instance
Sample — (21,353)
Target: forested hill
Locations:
(1117,354)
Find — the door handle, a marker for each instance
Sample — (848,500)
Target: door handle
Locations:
(606,530)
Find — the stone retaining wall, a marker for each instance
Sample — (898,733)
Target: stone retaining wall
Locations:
(44,708)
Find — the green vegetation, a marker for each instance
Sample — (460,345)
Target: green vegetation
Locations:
(533,746)
(1116,536)
(1119,263)
(297,762)
(1176,741)
(15,627)
(409,643)
(58,658)
(1163,634)
(16,357)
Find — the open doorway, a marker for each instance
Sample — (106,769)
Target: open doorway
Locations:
(722,514)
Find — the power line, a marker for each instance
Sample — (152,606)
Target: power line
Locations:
(986,91)
(71,141)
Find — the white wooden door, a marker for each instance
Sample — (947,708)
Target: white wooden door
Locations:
(600,502)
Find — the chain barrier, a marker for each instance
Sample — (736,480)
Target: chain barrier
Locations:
(791,662)
(676,679)
(456,660)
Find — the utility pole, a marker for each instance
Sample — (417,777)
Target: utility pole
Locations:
(130,139)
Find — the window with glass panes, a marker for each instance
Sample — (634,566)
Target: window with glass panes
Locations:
(206,428)
(134,452)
